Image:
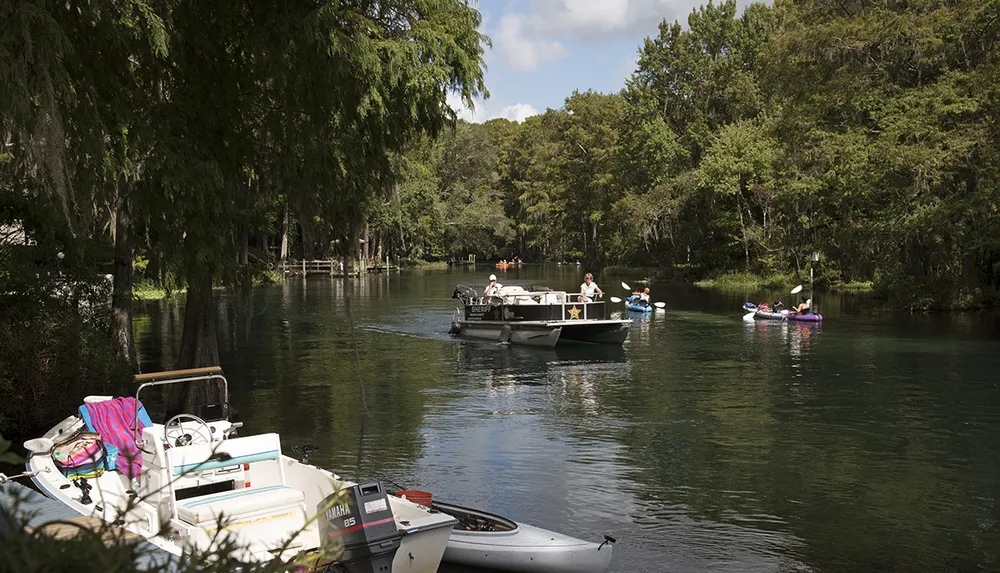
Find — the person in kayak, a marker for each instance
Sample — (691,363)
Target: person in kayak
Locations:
(493,288)
(589,290)
(644,296)
(804,307)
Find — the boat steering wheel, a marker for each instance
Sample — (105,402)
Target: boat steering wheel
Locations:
(182,438)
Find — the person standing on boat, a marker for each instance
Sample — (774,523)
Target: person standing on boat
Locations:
(589,289)
(493,288)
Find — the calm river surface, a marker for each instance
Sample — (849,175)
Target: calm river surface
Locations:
(868,443)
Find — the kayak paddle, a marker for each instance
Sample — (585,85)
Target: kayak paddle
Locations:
(797,289)
(625,286)
(615,300)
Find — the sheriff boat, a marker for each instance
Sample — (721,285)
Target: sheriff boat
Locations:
(534,316)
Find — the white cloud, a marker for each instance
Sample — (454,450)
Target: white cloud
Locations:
(600,21)
(519,112)
(482,111)
(474,114)
(522,49)
(533,37)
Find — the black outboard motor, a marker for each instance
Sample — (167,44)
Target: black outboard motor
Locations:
(362,520)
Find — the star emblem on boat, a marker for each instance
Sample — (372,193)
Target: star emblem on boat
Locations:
(574,313)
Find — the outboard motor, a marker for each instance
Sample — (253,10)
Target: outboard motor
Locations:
(362,520)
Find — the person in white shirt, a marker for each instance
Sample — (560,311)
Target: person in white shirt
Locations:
(645,295)
(493,288)
(589,290)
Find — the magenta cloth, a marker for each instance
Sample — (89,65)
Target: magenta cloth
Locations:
(113,420)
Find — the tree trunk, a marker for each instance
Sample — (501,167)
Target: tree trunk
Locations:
(199,345)
(244,246)
(308,250)
(121,295)
(284,236)
(365,252)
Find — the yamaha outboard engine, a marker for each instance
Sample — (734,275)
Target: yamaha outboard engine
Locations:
(360,517)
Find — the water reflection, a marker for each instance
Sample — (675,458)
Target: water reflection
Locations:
(864,443)
(795,337)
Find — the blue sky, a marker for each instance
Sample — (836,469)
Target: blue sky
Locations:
(544,49)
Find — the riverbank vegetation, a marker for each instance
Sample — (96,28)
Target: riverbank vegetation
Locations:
(743,143)
(208,138)
(203,139)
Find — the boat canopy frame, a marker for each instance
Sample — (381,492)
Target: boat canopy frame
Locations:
(154,379)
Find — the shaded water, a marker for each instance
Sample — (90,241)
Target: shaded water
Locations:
(868,443)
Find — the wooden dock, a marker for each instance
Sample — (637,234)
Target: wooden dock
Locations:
(469,261)
(333,268)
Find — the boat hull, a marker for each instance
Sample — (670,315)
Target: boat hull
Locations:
(421,548)
(596,331)
(763,315)
(526,549)
(523,333)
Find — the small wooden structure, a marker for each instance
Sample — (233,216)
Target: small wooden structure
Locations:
(333,267)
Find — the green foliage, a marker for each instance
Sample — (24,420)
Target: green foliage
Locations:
(744,142)
(106,547)
(747,281)
(6,456)
(55,344)
(193,127)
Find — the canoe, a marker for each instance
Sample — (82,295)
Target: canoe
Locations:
(490,541)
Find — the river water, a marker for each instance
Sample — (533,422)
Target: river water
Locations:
(868,443)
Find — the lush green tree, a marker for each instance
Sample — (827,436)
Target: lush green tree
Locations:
(325,91)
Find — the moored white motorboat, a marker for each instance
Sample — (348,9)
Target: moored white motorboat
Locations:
(188,482)
(483,539)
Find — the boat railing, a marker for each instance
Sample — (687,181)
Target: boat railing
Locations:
(152,379)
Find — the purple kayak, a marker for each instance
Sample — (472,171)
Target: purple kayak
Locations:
(785,315)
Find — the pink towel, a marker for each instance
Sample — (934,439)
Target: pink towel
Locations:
(113,420)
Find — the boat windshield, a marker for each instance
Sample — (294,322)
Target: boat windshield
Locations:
(201,392)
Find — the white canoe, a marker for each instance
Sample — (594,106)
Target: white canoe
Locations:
(486,540)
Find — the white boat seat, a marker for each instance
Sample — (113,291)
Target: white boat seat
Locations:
(224,454)
(238,504)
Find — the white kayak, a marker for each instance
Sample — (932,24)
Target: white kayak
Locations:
(486,540)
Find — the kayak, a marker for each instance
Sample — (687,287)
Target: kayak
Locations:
(782,315)
(637,306)
(485,540)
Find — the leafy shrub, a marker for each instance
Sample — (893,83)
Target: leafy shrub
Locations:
(56,346)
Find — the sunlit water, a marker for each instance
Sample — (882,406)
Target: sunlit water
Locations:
(868,443)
